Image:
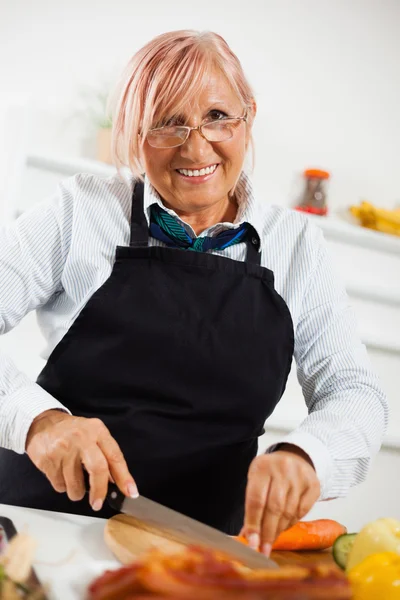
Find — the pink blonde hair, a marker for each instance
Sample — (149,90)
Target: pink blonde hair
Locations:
(160,79)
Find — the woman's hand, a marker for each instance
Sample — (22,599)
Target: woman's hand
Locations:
(59,444)
(281,488)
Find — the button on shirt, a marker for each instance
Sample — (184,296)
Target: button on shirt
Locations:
(57,254)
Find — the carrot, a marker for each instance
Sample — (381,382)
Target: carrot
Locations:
(242,539)
(307,535)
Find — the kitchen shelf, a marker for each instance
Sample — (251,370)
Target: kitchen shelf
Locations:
(390,296)
(69,166)
(336,229)
(381,344)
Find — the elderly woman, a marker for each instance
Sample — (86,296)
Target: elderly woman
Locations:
(173,301)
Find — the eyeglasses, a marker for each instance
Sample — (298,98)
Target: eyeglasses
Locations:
(219,130)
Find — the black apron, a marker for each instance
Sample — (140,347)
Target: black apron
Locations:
(183,355)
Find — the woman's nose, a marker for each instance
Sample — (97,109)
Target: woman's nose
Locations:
(196,147)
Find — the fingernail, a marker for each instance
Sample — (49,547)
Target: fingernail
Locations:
(254,541)
(132,491)
(97,504)
(266,549)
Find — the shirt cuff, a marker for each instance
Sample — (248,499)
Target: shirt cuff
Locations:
(22,407)
(318,453)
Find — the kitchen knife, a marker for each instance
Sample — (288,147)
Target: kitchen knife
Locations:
(177,527)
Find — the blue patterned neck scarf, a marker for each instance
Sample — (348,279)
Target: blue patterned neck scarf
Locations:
(167,229)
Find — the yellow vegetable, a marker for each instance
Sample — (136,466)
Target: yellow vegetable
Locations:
(379,219)
(376,578)
(382,535)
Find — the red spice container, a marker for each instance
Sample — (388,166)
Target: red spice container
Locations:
(314,196)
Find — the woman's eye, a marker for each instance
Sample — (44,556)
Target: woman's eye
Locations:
(215,115)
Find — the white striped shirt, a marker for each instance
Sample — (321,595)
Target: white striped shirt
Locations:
(56,255)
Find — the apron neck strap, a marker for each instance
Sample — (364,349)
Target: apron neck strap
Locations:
(139,226)
(253,254)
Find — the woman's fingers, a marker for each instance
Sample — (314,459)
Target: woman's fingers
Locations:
(282,487)
(256,494)
(308,499)
(97,467)
(55,475)
(274,510)
(117,465)
(290,513)
(73,477)
(59,444)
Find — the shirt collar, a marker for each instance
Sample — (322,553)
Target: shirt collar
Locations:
(249,210)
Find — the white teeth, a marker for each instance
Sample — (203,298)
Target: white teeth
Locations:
(197,173)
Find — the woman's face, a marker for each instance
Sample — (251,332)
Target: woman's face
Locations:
(191,194)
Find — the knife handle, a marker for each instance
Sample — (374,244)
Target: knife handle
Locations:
(115,497)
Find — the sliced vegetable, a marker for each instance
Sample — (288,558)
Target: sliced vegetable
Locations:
(242,539)
(310,535)
(341,548)
(382,535)
(307,535)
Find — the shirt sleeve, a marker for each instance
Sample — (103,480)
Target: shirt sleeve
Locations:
(33,250)
(347,409)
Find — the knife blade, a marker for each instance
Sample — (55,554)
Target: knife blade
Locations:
(177,527)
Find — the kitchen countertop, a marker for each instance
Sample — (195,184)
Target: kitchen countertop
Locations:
(71,550)
(70,553)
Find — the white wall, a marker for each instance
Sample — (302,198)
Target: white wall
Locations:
(325,74)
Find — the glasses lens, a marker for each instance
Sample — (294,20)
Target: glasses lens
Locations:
(167,137)
(220,131)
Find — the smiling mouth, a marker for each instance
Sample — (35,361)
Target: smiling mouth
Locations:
(198,172)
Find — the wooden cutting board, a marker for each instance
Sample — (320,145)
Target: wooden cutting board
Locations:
(127,539)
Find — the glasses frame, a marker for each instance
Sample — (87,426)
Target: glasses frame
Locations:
(199,128)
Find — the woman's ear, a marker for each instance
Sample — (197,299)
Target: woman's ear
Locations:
(251,113)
